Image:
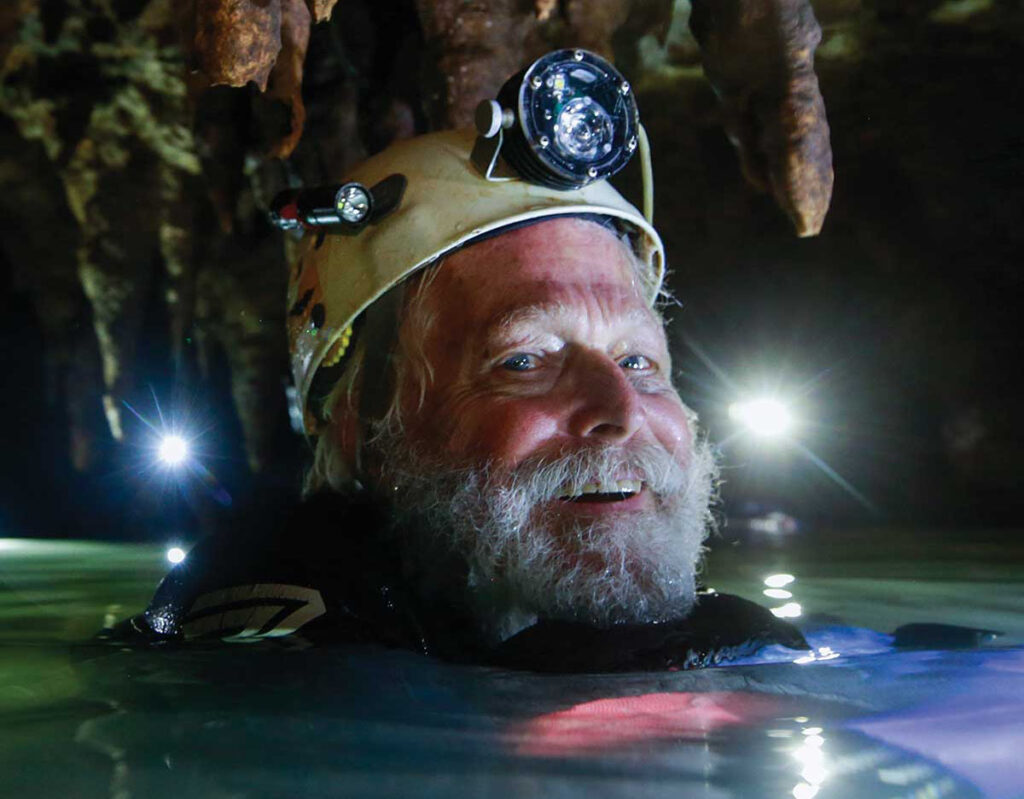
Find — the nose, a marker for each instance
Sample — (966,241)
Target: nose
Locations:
(605,404)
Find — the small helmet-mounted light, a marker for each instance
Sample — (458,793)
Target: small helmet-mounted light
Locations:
(567,120)
(348,206)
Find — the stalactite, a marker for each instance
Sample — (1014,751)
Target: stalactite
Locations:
(759,54)
(106,97)
(475,47)
(167,174)
(237,41)
(286,77)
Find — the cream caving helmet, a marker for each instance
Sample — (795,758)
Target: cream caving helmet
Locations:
(431,197)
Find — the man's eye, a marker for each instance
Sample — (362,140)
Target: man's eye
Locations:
(637,362)
(520,362)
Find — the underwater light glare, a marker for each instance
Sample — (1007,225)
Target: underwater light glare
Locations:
(765,417)
(173,450)
(175,555)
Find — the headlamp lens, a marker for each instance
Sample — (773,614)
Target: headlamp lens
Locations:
(353,203)
(577,120)
(584,130)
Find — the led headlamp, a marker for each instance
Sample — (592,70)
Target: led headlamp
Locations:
(567,120)
(348,206)
(544,147)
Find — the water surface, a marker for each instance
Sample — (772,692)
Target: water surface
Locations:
(855,717)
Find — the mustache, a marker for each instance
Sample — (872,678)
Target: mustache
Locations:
(549,476)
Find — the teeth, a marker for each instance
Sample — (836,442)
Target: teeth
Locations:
(613,487)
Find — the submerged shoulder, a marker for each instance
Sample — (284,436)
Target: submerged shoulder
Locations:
(262,580)
(720,628)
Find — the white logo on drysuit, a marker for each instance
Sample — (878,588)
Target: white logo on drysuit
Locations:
(249,612)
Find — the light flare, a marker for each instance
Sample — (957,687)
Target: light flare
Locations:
(176,555)
(766,417)
(173,450)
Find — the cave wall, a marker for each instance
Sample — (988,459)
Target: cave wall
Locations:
(142,140)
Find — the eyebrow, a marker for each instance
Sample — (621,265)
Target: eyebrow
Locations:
(503,324)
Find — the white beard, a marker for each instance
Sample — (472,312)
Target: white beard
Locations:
(521,559)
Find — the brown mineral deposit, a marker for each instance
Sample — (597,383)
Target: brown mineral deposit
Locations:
(759,55)
(592,23)
(321,9)
(237,41)
(286,77)
(544,9)
(478,45)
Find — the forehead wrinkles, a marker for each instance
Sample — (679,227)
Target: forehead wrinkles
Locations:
(517,279)
(595,303)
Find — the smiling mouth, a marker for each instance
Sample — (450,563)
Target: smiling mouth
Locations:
(611,491)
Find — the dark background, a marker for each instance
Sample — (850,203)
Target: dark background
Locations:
(895,332)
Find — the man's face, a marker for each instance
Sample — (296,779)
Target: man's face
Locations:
(551,383)
(542,342)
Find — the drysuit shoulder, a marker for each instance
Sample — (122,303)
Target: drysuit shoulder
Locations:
(325,571)
(720,628)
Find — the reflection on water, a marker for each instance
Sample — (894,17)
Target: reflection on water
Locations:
(608,725)
(274,719)
(366,722)
(268,720)
(791,610)
(821,653)
(778,580)
(775,590)
(810,754)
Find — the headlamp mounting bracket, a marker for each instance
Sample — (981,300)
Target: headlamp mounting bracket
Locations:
(486,157)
